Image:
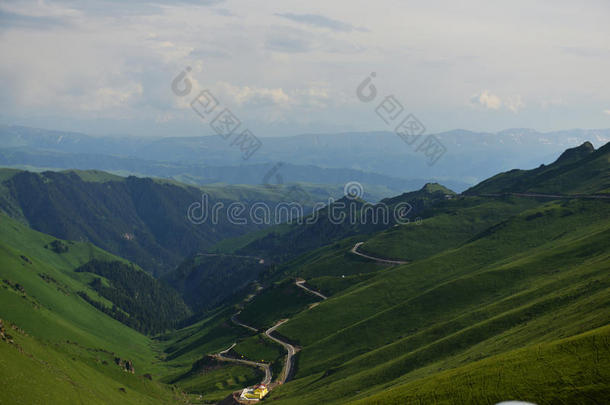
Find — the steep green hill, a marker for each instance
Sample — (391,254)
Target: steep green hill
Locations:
(57,348)
(141,219)
(580,170)
(447,226)
(572,371)
(528,281)
(205,280)
(138,300)
(341,219)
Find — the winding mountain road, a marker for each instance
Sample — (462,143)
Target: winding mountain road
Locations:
(243,325)
(301,283)
(290,349)
(263,366)
(377,259)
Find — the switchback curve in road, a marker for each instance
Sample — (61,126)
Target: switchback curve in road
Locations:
(301,283)
(263,366)
(243,325)
(290,349)
(377,259)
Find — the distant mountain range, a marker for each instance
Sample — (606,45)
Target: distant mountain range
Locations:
(372,158)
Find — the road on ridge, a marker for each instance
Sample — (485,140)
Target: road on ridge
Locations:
(377,259)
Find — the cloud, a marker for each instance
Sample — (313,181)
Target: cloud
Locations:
(8,19)
(40,16)
(294,40)
(256,96)
(288,44)
(320,21)
(557,101)
(490,101)
(514,103)
(317,95)
(486,99)
(224,12)
(587,52)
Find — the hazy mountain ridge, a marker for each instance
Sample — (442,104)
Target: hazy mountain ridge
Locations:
(383,153)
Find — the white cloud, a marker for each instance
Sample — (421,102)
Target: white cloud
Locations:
(487,99)
(514,103)
(113,97)
(557,101)
(255,96)
(101,58)
(315,96)
(491,101)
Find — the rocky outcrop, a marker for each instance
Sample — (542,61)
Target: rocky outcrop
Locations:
(126,365)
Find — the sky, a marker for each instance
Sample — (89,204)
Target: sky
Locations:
(290,67)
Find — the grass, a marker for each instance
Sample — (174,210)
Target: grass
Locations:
(448,226)
(262,349)
(503,299)
(529,281)
(35,372)
(55,311)
(577,172)
(281,300)
(573,370)
(212,385)
(67,347)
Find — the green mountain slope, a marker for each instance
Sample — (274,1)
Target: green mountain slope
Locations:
(501,296)
(341,219)
(205,280)
(525,282)
(573,371)
(63,349)
(141,219)
(580,170)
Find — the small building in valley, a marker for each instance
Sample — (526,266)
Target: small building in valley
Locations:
(254,394)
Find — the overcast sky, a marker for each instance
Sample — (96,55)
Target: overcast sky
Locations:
(289,67)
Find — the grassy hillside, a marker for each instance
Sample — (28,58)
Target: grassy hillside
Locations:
(37,372)
(341,219)
(141,219)
(65,346)
(205,280)
(502,297)
(59,348)
(280,300)
(447,226)
(570,371)
(527,281)
(580,170)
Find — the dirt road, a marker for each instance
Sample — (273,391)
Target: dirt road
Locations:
(263,366)
(377,259)
(243,325)
(290,349)
(301,283)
